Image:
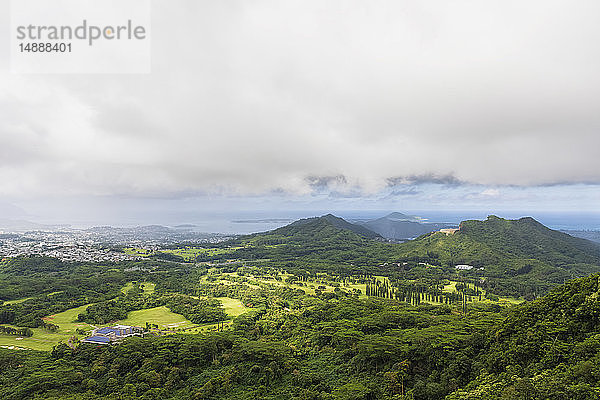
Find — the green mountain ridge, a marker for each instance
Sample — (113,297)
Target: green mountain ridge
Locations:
(517,257)
(319,223)
(340,341)
(545,349)
(493,242)
(526,237)
(344,348)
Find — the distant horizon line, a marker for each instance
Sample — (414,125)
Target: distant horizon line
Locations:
(560,220)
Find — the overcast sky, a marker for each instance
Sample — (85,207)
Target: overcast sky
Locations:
(379,105)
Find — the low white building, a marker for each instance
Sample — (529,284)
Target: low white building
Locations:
(464,267)
(108,334)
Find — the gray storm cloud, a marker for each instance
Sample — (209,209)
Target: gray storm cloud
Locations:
(253,97)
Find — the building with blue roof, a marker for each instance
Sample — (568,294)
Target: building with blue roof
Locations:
(97,340)
(113,334)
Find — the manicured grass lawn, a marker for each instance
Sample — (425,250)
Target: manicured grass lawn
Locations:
(160,316)
(138,252)
(67,322)
(45,340)
(41,340)
(127,287)
(190,253)
(362,287)
(233,307)
(187,253)
(309,288)
(451,288)
(148,287)
(312,285)
(17,301)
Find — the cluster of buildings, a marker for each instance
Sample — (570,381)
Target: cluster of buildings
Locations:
(463,267)
(95,244)
(113,334)
(65,251)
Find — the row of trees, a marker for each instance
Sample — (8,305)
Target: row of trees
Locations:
(9,330)
(416,293)
(59,286)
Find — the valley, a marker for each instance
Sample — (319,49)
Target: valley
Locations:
(318,309)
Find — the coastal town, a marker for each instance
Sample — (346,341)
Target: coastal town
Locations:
(102,244)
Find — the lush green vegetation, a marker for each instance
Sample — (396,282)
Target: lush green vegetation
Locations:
(342,347)
(53,286)
(513,258)
(197,310)
(160,317)
(232,307)
(45,339)
(10,330)
(315,311)
(337,346)
(546,349)
(198,253)
(138,252)
(146,287)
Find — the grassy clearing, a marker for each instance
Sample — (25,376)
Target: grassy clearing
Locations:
(191,253)
(510,300)
(148,287)
(360,286)
(451,288)
(17,301)
(67,320)
(137,252)
(161,316)
(308,287)
(68,324)
(323,285)
(209,327)
(127,287)
(233,307)
(41,340)
(45,340)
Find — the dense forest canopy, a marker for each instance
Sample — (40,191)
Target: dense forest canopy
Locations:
(326,313)
(516,257)
(342,347)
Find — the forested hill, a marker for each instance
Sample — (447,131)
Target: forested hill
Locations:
(339,346)
(317,224)
(514,257)
(403,227)
(316,230)
(527,238)
(507,246)
(498,241)
(545,349)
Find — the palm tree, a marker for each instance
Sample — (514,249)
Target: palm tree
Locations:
(403,371)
